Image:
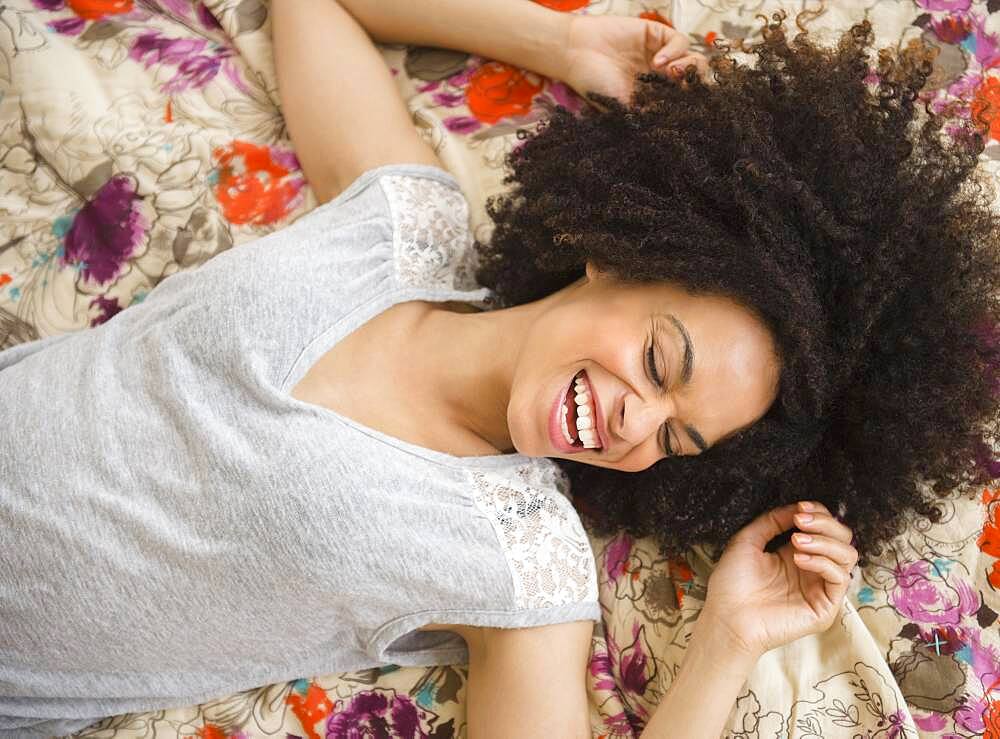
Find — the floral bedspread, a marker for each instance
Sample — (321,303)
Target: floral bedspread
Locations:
(141,137)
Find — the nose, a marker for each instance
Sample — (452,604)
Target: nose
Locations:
(643,417)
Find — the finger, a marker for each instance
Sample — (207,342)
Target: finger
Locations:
(843,554)
(766,526)
(823,523)
(834,577)
(669,47)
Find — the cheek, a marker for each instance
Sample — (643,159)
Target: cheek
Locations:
(641,458)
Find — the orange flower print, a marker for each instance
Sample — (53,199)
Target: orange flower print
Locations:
(654,15)
(564,5)
(310,705)
(256,184)
(497,90)
(989,539)
(91,10)
(984,106)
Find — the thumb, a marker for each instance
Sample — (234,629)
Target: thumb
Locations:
(657,34)
(766,526)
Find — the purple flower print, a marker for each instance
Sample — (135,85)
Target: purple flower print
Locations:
(106,231)
(68,26)
(462,124)
(108,308)
(195,69)
(374,714)
(49,5)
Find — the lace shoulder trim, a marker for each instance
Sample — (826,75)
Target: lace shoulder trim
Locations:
(431,239)
(546,547)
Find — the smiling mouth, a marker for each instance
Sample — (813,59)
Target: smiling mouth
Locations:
(578,415)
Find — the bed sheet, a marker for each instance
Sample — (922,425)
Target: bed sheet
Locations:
(141,137)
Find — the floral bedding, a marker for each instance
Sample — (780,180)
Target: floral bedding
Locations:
(141,137)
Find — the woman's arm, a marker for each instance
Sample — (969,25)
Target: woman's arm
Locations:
(707,685)
(519,32)
(343,110)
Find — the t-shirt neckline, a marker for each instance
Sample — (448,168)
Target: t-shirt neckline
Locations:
(371,311)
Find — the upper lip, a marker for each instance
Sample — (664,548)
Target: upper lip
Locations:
(601,423)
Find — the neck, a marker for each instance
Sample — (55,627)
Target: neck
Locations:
(469,361)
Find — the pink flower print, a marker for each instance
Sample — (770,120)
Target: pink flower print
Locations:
(600,670)
(946,5)
(106,231)
(925,595)
(564,95)
(636,665)
(616,556)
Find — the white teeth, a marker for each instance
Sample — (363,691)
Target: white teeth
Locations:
(586,419)
(565,427)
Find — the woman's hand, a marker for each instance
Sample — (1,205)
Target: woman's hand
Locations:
(604,53)
(762,600)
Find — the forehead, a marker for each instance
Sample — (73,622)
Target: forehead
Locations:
(735,363)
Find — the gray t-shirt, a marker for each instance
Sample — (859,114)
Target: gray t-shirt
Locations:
(175,527)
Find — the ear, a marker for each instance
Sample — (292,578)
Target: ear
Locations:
(593,272)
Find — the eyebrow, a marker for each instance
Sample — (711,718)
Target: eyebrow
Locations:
(687,369)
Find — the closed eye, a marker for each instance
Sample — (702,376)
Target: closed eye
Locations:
(651,360)
(658,381)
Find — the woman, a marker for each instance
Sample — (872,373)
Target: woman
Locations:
(339,382)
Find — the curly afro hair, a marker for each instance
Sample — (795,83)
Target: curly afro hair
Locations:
(794,188)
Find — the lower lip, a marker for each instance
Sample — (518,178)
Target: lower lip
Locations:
(555,426)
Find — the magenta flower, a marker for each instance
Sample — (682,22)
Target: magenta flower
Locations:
(372,713)
(636,666)
(616,556)
(106,231)
(108,308)
(927,597)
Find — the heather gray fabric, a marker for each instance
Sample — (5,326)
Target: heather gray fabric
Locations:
(175,527)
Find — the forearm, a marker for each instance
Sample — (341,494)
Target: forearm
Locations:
(704,691)
(519,32)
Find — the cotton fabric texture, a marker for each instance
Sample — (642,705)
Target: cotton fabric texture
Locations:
(273,539)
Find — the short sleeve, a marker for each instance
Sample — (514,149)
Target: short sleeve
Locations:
(432,242)
(546,547)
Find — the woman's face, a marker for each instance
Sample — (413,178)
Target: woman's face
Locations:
(659,372)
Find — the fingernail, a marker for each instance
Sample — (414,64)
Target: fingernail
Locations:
(806,505)
(803,538)
(805,517)
(801,556)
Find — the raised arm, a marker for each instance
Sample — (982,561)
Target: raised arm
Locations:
(519,32)
(343,110)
